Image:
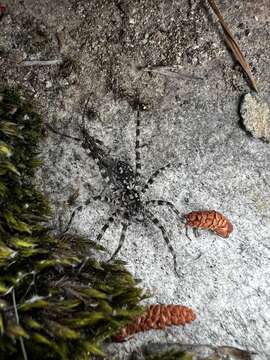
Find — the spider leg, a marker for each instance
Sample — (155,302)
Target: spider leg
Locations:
(79,208)
(125,225)
(137,147)
(152,178)
(187,235)
(166,203)
(106,226)
(104,198)
(98,154)
(196,232)
(94,148)
(84,112)
(52,129)
(157,223)
(100,197)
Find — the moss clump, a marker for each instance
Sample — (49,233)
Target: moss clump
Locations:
(56,300)
(171,355)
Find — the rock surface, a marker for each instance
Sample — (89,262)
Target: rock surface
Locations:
(171,55)
(256,116)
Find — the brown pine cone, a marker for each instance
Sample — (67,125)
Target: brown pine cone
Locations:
(210,219)
(157,317)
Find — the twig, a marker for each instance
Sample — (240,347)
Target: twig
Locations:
(18,322)
(41,62)
(171,71)
(232,44)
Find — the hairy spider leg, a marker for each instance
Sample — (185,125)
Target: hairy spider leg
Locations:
(99,197)
(103,198)
(78,208)
(125,225)
(170,205)
(187,235)
(166,203)
(175,210)
(69,136)
(91,145)
(137,147)
(106,225)
(84,112)
(152,178)
(157,223)
(196,232)
(97,154)
(52,129)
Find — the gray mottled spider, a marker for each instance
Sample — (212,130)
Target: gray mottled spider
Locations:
(126,189)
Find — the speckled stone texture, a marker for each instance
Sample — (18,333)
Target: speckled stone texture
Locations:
(172,55)
(255,114)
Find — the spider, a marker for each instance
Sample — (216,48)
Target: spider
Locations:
(127,190)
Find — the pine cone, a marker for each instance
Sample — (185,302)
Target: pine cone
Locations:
(157,317)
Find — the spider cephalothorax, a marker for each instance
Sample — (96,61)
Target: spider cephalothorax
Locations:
(124,175)
(126,194)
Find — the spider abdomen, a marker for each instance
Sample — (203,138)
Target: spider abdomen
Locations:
(211,220)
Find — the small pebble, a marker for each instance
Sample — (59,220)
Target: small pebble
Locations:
(256,116)
(48,84)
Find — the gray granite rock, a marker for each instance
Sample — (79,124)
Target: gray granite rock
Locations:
(256,116)
(171,55)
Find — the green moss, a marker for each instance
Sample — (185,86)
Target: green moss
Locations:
(55,301)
